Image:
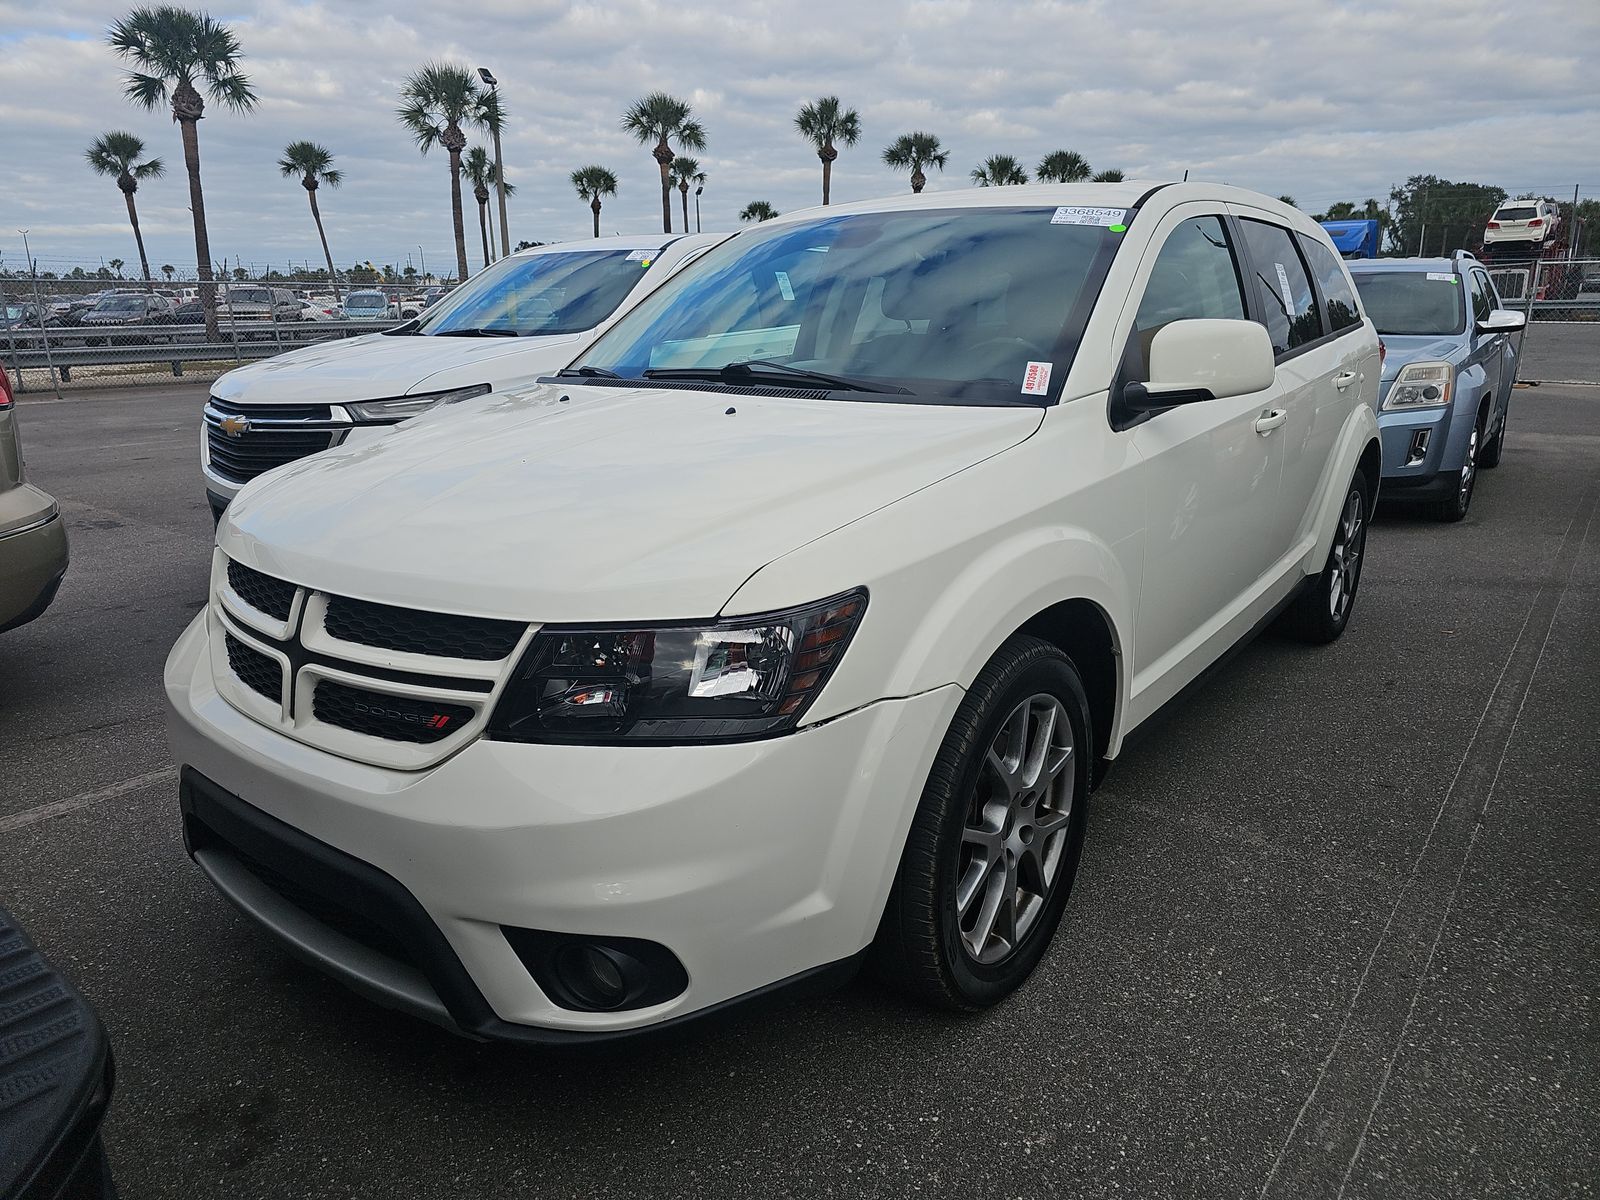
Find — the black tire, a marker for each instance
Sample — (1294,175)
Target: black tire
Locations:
(1314,616)
(1489,457)
(920,947)
(1455,507)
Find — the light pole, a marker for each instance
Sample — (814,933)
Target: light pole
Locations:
(697,191)
(499,164)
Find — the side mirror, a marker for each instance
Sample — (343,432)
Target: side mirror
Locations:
(1203,359)
(1502,320)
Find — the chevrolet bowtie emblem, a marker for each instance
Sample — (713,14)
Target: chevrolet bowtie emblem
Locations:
(235,426)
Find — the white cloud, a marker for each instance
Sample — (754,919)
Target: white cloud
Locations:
(1325,102)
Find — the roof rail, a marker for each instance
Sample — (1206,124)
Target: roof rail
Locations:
(1466,254)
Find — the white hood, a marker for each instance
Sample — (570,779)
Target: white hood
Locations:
(597,503)
(377,366)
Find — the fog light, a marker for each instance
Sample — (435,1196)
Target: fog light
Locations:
(1419,448)
(598,974)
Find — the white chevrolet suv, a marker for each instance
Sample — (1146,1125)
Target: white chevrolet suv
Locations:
(791,625)
(525,315)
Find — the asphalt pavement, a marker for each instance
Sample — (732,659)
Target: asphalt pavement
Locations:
(1337,930)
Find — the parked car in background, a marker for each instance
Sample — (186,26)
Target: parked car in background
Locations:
(310,310)
(792,624)
(125,309)
(33,537)
(19,321)
(367,304)
(1522,223)
(526,314)
(433,295)
(1449,367)
(246,302)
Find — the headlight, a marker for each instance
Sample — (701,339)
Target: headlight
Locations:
(722,681)
(1421,385)
(387,412)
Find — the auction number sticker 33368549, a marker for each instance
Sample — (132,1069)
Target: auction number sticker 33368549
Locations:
(1076,214)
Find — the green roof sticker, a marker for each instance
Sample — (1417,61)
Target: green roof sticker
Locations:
(1118,228)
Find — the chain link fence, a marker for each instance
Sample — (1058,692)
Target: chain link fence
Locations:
(1561,343)
(78,333)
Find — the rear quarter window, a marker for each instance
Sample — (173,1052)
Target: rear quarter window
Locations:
(1339,307)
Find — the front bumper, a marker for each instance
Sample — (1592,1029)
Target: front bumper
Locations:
(1446,434)
(754,864)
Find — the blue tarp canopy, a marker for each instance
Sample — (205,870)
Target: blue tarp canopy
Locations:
(1354,239)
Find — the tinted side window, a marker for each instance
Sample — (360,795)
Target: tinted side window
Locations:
(1339,309)
(1194,276)
(1482,300)
(1282,287)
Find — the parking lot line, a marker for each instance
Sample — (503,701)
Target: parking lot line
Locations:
(56,808)
(1324,1134)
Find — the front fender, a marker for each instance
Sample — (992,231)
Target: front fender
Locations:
(1359,431)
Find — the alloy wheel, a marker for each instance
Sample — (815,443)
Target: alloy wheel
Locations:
(1469,470)
(1348,541)
(1014,840)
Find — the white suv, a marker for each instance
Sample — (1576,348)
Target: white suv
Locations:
(790,627)
(527,314)
(1527,223)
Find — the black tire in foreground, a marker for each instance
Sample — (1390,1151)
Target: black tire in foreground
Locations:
(1321,612)
(995,843)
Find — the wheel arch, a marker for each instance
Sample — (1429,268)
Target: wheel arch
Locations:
(1085,633)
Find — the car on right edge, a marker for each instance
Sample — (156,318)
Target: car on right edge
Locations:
(789,626)
(1449,366)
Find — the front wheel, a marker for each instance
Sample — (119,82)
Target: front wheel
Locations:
(1323,609)
(1455,507)
(995,843)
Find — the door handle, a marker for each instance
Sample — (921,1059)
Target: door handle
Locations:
(1270,420)
(1344,379)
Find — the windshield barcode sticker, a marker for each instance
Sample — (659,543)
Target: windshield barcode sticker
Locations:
(1036,379)
(784,286)
(639,256)
(1441,277)
(1069,214)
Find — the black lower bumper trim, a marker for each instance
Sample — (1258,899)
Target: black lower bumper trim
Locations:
(362,926)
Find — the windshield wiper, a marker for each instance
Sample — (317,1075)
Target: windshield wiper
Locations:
(487,331)
(586,373)
(750,371)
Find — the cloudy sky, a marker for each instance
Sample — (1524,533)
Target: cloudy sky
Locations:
(1322,100)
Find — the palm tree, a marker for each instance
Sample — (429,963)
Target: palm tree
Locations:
(437,99)
(314,165)
(116,264)
(591,183)
(914,151)
(1289,200)
(491,116)
(999,170)
(757,210)
(1111,176)
(661,119)
(169,270)
(1063,166)
(684,172)
(117,154)
(823,123)
(176,53)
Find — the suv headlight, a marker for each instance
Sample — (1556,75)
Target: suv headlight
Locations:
(718,681)
(387,412)
(1421,385)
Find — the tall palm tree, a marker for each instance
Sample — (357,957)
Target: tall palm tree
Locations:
(491,116)
(661,119)
(176,53)
(757,210)
(438,99)
(999,170)
(1063,166)
(1111,176)
(823,123)
(913,151)
(478,167)
(684,172)
(591,183)
(117,154)
(314,165)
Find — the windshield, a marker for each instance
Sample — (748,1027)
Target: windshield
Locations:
(365,300)
(1412,302)
(1524,213)
(114,304)
(541,294)
(957,306)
